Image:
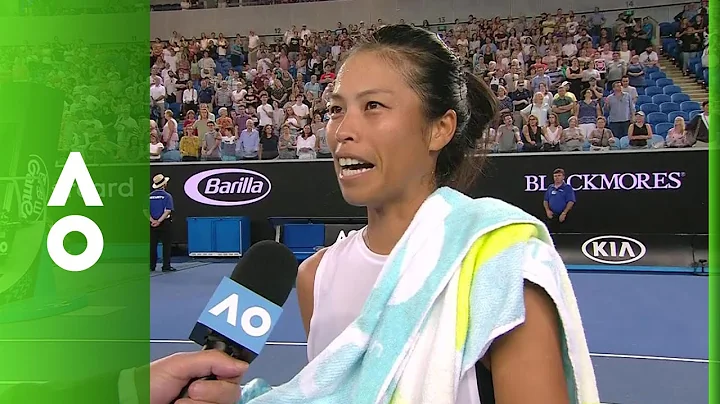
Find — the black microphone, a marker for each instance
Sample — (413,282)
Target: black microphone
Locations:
(244,308)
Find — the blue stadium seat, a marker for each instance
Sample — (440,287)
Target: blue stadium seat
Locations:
(650,83)
(660,98)
(693,114)
(664,82)
(668,107)
(654,90)
(675,114)
(656,117)
(643,99)
(662,129)
(624,142)
(651,69)
(649,108)
(690,106)
(657,139)
(679,98)
(657,75)
(670,90)
(302,239)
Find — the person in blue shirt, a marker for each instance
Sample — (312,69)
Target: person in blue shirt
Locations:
(559,200)
(161,207)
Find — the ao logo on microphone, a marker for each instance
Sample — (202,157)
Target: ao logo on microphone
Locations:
(240,315)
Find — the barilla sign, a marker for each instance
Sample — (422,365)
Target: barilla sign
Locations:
(227,187)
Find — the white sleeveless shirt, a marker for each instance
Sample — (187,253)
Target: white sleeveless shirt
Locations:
(343,282)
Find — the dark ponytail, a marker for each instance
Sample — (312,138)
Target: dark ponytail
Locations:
(438,77)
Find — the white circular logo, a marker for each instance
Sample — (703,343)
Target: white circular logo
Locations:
(86,259)
(250,329)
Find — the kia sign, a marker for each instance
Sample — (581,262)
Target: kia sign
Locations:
(227,187)
(613,250)
(614,182)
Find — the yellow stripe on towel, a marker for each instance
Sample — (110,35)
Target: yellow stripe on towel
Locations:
(483,249)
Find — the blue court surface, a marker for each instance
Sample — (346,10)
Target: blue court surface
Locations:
(648,333)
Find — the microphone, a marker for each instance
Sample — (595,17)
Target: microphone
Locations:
(244,308)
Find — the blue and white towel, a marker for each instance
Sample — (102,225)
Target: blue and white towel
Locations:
(451,286)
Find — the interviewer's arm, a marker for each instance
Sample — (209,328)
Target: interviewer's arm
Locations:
(526,363)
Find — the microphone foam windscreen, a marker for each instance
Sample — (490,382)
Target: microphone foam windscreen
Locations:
(269,269)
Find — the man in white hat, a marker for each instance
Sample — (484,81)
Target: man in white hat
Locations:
(161,207)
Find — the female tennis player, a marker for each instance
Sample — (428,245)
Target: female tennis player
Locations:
(406,120)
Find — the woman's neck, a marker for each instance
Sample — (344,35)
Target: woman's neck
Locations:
(387,224)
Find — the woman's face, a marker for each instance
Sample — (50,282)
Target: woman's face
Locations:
(376,117)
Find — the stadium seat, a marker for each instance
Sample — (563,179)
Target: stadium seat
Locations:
(649,108)
(679,98)
(624,142)
(651,69)
(668,107)
(656,117)
(662,129)
(675,114)
(650,83)
(664,82)
(302,239)
(690,106)
(670,90)
(693,114)
(643,99)
(654,90)
(657,75)
(660,98)
(657,141)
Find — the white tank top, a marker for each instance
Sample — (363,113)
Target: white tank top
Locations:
(343,281)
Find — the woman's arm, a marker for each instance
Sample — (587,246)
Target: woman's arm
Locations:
(631,130)
(306,286)
(527,364)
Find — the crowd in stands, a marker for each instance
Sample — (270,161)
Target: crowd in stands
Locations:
(563,83)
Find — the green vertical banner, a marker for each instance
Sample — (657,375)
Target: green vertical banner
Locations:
(714,226)
(74,240)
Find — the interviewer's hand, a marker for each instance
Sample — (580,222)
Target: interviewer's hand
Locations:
(168,376)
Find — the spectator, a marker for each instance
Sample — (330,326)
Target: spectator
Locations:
(532,135)
(170,137)
(210,150)
(521,100)
(228,143)
(627,88)
(587,112)
(268,144)
(539,109)
(156,148)
(676,136)
(636,72)
(552,134)
(572,138)
(564,104)
(640,132)
(649,57)
(286,144)
(157,99)
(601,138)
(507,136)
(248,145)
(189,100)
(306,144)
(699,128)
(559,200)
(620,107)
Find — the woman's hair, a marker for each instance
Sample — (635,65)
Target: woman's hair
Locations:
(438,78)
